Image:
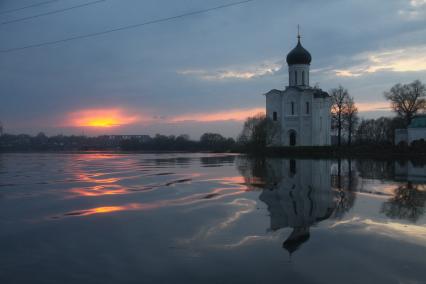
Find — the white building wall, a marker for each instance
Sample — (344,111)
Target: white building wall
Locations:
(409,135)
(312,129)
(273,104)
(416,134)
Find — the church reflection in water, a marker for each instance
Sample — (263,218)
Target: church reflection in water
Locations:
(301,193)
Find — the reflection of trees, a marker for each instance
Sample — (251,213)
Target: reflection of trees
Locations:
(173,161)
(217,161)
(253,171)
(407,203)
(346,184)
(375,169)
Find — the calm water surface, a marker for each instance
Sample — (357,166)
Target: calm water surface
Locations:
(209,218)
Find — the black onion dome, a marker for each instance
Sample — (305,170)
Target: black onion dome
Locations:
(299,55)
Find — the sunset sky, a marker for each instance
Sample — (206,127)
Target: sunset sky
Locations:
(200,73)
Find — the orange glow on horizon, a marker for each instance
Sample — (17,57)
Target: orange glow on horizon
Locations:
(234,114)
(372,106)
(101,118)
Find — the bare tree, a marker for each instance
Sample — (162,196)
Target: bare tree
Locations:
(339,98)
(258,132)
(350,117)
(408,99)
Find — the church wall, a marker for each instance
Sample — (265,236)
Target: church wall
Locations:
(273,104)
(306,121)
(290,119)
(416,134)
(322,122)
(311,128)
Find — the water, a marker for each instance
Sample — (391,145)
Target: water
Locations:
(209,218)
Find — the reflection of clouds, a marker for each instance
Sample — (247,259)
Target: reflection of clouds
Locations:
(115,189)
(96,178)
(232,180)
(103,210)
(215,194)
(245,206)
(247,241)
(99,190)
(406,232)
(107,180)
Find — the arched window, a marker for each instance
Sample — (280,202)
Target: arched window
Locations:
(292,137)
(295,77)
(274,116)
(292,108)
(303,78)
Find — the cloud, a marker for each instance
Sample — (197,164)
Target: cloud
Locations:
(241,73)
(417,3)
(225,59)
(411,59)
(416,10)
(233,114)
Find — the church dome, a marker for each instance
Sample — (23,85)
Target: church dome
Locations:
(299,55)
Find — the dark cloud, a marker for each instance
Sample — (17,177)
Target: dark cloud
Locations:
(141,69)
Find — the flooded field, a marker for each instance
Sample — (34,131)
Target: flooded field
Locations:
(209,218)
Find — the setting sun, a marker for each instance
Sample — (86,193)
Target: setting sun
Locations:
(103,118)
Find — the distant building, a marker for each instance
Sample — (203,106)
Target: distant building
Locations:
(301,112)
(415,131)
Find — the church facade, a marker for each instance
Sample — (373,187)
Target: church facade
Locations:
(301,113)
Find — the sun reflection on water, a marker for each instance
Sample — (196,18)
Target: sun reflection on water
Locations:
(215,194)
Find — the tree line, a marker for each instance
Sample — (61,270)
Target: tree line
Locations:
(41,142)
(208,142)
(406,101)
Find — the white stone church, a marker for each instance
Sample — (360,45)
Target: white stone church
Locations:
(301,112)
